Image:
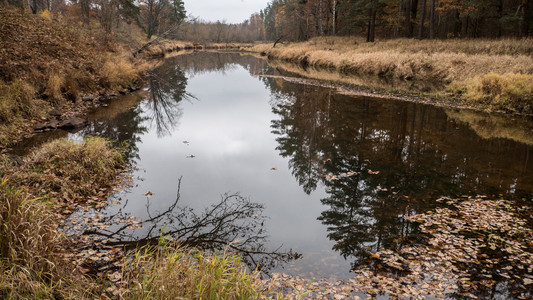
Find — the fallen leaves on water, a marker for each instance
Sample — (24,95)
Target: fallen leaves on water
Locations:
(470,245)
(191,156)
(148,194)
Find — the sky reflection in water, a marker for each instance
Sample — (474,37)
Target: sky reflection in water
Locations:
(204,118)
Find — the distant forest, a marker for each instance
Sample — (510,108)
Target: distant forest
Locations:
(298,20)
(303,19)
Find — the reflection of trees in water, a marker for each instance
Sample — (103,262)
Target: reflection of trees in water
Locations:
(124,127)
(203,62)
(167,87)
(419,153)
(234,223)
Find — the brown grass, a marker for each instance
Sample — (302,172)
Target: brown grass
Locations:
(167,46)
(493,74)
(118,72)
(16,99)
(410,60)
(509,92)
(53,88)
(69,170)
(56,61)
(31,263)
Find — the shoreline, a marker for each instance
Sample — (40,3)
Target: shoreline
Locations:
(473,81)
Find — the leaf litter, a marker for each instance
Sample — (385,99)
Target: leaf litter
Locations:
(470,247)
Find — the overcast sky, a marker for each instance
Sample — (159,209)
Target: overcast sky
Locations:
(233,11)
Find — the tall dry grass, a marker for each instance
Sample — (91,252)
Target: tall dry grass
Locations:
(495,74)
(409,59)
(118,72)
(509,92)
(16,99)
(171,272)
(31,263)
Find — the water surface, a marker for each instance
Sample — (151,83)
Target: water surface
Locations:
(301,167)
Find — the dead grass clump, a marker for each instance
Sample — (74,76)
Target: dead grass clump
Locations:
(28,234)
(54,86)
(118,72)
(509,92)
(171,272)
(71,170)
(31,263)
(16,98)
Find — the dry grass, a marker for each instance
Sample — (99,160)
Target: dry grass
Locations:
(69,170)
(509,92)
(16,99)
(170,272)
(118,72)
(167,46)
(53,88)
(57,61)
(31,263)
(492,74)
(409,60)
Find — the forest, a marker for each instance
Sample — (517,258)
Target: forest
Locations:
(300,20)
(304,19)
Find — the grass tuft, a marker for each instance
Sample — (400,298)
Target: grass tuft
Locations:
(16,99)
(118,73)
(31,263)
(510,92)
(71,170)
(54,86)
(171,272)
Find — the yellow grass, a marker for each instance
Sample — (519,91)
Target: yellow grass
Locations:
(118,72)
(511,92)
(409,59)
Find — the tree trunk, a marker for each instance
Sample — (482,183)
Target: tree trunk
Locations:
(373,25)
(432,20)
(422,20)
(500,16)
(407,25)
(368,28)
(414,9)
(334,17)
(457,24)
(523,24)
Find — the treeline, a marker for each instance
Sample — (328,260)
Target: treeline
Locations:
(221,32)
(152,16)
(296,20)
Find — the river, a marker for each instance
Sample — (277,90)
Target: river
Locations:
(300,178)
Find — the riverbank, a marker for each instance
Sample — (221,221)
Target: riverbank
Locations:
(53,70)
(485,74)
(38,259)
(51,73)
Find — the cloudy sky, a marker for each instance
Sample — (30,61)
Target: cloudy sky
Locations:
(233,11)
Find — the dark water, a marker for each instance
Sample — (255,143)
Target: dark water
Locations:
(228,156)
